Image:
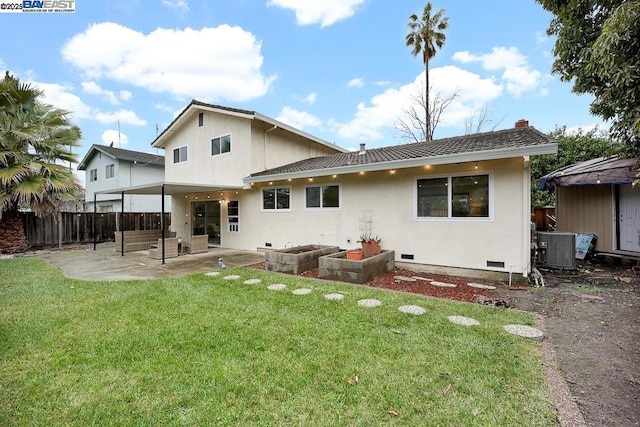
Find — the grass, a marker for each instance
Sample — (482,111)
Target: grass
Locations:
(198,350)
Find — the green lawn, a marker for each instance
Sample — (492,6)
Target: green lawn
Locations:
(200,350)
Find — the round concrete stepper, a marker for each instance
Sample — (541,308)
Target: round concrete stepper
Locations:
(252,281)
(334,297)
(301,291)
(524,331)
(369,302)
(464,321)
(277,287)
(443,285)
(481,286)
(412,309)
(212,273)
(232,277)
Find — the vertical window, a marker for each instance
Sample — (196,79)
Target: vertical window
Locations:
(180,154)
(110,171)
(200,119)
(276,198)
(453,197)
(322,196)
(221,145)
(93,175)
(233,213)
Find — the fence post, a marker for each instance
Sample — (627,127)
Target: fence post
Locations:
(60,228)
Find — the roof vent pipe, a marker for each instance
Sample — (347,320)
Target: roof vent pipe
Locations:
(362,149)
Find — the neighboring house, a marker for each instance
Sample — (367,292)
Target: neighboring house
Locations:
(251,182)
(107,168)
(598,197)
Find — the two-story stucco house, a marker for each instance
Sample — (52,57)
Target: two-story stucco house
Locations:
(250,182)
(108,167)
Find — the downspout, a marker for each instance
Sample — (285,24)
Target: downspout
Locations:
(526,226)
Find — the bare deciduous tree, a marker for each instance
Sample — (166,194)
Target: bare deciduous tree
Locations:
(481,122)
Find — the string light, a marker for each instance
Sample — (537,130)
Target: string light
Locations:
(476,165)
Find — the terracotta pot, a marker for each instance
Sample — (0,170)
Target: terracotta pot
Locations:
(370,249)
(355,255)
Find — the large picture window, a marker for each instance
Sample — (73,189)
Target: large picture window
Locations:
(276,199)
(180,154)
(221,145)
(453,197)
(322,196)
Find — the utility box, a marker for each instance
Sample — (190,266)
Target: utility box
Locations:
(557,249)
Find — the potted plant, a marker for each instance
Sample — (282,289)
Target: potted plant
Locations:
(355,254)
(370,245)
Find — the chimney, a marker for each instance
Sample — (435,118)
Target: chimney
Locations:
(362,149)
(522,123)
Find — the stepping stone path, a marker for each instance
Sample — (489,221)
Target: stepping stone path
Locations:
(443,285)
(524,331)
(212,273)
(301,291)
(232,277)
(412,309)
(481,286)
(277,287)
(334,297)
(404,278)
(422,278)
(369,303)
(252,281)
(464,321)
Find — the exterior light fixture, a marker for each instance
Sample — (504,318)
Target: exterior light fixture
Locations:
(392,171)
(476,165)
(335,176)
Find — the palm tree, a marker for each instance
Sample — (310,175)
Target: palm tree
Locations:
(425,34)
(35,138)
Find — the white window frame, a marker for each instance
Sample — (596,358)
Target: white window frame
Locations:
(322,208)
(179,150)
(449,177)
(233,227)
(276,209)
(93,175)
(110,171)
(219,138)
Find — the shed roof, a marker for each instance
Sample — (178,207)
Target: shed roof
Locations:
(603,170)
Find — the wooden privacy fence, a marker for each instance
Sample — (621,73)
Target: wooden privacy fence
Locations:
(77,227)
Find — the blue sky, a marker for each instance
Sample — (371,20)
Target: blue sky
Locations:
(338,69)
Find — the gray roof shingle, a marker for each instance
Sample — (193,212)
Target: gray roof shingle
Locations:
(122,154)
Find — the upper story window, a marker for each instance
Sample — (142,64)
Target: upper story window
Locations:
(110,171)
(465,196)
(180,154)
(276,199)
(93,175)
(221,145)
(200,119)
(322,196)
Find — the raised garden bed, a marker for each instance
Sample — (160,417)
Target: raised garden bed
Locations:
(338,267)
(296,260)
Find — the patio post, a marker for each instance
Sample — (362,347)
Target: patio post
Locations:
(93,220)
(162,222)
(122,224)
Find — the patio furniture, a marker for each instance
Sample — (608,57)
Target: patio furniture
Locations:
(198,244)
(139,240)
(170,248)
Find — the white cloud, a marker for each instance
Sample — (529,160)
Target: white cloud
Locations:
(180,5)
(357,82)
(184,63)
(119,139)
(162,107)
(542,37)
(123,116)
(323,12)
(94,88)
(311,98)
(298,119)
(385,108)
(125,95)
(518,76)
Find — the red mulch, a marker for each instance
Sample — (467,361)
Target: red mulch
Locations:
(387,281)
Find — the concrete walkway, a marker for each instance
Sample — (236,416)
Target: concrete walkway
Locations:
(106,264)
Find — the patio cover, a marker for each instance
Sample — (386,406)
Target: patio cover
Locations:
(593,172)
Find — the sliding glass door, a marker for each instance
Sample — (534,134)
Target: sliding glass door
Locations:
(206,220)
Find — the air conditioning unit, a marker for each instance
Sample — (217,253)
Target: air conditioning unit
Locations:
(557,249)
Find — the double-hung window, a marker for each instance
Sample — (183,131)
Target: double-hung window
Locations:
(110,171)
(93,175)
(233,214)
(180,154)
(464,196)
(221,145)
(322,197)
(276,199)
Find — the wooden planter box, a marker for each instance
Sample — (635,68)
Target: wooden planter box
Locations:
(338,267)
(296,260)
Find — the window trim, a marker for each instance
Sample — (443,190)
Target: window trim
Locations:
(186,147)
(93,175)
(220,138)
(111,166)
(289,209)
(489,218)
(322,208)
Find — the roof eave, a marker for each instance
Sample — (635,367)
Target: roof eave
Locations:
(502,153)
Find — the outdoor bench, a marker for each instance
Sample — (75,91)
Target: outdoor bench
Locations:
(139,240)
(170,248)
